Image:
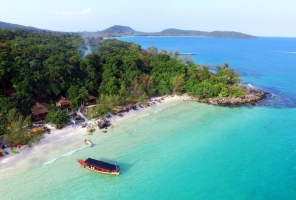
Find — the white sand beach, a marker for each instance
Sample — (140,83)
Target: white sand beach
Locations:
(66,141)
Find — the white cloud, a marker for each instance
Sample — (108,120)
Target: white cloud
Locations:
(83,12)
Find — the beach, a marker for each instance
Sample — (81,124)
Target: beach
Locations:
(68,140)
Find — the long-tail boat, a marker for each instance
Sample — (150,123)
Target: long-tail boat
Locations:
(100,166)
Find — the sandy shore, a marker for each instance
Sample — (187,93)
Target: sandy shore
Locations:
(60,141)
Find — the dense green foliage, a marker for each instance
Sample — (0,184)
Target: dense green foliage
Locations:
(58,117)
(17,129)
(42,67)
(4,25)
(37,66)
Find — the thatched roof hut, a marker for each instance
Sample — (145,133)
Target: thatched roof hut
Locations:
(39,111)
(63,103)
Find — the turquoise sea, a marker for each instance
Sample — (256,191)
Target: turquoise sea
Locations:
(188,150)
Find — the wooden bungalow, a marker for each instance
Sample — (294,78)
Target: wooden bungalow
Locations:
(63,103)
(39,111)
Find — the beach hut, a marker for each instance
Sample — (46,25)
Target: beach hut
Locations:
(63,103)
(39,111)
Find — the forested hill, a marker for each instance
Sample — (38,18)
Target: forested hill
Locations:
(42,67)
(118,31)
(4,25)
(218,34)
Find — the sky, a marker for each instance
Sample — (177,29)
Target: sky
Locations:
(256,17)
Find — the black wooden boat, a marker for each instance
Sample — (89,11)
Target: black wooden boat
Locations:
(100,166)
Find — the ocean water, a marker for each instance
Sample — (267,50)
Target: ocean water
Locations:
(188,150)
(266,63)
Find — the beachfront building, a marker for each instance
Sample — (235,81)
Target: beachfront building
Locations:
(63,103)
(39,111)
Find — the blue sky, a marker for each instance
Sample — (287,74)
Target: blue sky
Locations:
(256,17)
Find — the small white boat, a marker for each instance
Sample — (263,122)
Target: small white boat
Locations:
(87,143)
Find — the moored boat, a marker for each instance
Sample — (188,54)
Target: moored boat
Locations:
(100,166)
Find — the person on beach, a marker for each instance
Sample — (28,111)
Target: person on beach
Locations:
(73,123)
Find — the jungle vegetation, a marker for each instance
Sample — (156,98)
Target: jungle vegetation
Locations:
(43,66)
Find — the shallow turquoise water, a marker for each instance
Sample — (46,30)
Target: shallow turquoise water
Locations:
(188,150)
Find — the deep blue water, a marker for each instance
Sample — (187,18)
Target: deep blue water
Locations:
(188,150)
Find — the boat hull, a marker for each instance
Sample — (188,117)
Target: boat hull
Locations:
(98,169)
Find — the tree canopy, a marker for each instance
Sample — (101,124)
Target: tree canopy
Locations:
(43,66)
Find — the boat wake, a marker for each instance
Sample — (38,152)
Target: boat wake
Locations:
(143,116)
(66,154)
(50,161)
(290,52)
(273,95)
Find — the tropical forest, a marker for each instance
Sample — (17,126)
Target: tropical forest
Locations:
(43,66)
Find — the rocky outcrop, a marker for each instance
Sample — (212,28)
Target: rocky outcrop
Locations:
(251,97)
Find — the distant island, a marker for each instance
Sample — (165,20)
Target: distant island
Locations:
(123,31)
(119,31)
(4,25)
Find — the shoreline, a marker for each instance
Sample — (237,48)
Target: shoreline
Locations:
(61,142)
